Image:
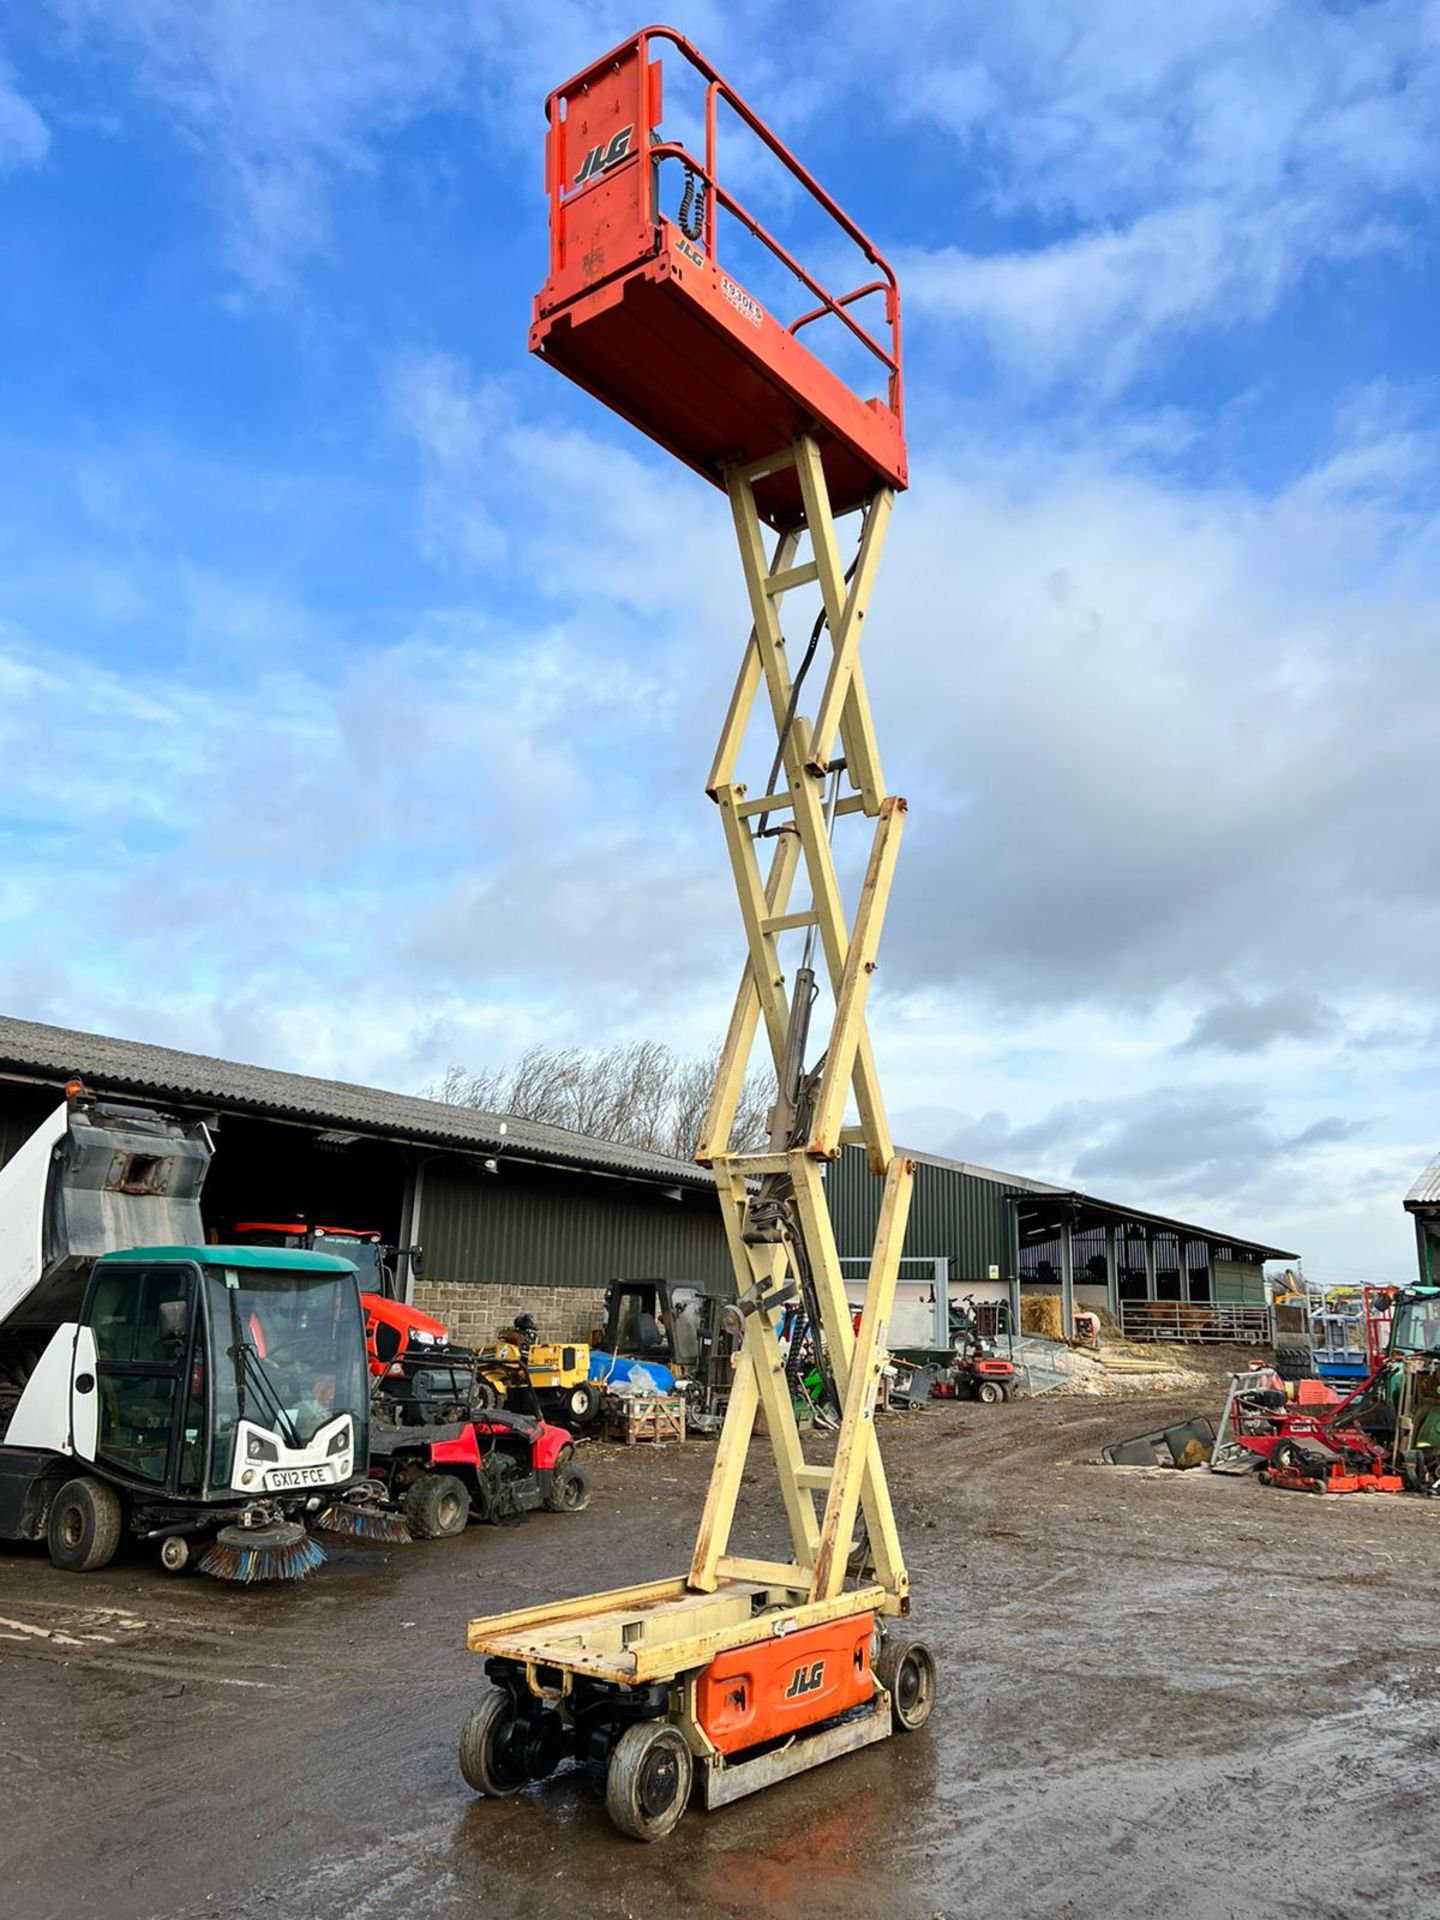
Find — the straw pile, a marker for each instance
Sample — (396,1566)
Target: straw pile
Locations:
(1040,1313)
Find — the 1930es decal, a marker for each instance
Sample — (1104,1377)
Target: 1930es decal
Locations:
(806,1680)
(742,302)
(605,155)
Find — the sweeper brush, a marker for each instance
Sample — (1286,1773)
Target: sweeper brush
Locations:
(280,1550)
(364,1523)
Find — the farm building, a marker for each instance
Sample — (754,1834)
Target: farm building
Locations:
(512,1214)
(973,1230)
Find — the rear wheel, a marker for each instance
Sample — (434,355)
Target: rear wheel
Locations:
(489,1759)
(648,1780)
(437,1506)
(906,1670)
(569,1489)
(988,1392)
(84,1526)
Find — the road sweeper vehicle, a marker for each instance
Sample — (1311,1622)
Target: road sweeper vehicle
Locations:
(208,1400)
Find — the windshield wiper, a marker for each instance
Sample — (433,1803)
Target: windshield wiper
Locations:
(253,1368)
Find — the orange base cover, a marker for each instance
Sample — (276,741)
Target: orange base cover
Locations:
(782,1685)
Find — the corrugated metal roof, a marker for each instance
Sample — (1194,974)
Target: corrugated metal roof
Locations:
(1426,1190)
(52,1054)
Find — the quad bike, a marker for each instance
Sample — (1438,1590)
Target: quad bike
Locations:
(492,1469)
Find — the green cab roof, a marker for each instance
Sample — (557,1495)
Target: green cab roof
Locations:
(292,1258)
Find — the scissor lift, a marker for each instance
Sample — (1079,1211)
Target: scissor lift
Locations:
(743,1670)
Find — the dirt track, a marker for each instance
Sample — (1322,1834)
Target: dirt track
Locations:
(1173,1696)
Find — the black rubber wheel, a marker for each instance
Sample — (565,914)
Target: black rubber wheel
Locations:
(579,1405)
(437,1506)
(569,1489)
(484,1398)
(906,1670)
(988,1392)
(84,1525)
(647,1783)
(1286,1455)
(486,1757)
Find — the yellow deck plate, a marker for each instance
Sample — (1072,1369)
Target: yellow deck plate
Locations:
(638,1635)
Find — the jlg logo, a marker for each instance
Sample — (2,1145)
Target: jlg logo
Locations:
(806,1680)
(603,156)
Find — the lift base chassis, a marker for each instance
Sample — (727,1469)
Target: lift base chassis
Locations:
(664,1651)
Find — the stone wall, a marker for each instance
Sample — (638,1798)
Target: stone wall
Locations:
(476,1313)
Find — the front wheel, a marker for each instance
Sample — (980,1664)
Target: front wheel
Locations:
(176,1553)
(648,1780)
(906,1670)
(488,1759)
(84,1526)
(569,1489)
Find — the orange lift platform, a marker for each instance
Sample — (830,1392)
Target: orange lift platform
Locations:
(639,310)
(747,1667)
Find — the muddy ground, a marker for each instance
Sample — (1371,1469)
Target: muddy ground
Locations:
(1163,1695)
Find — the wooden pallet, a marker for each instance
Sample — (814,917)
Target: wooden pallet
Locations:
(634,1417)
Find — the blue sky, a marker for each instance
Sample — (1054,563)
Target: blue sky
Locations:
(358,677)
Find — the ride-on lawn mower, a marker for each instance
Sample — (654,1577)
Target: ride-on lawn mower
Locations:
(492,1469)
(980,1369)
(1325,1444)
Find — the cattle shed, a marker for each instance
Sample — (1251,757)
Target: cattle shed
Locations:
(511,1214)
(974,1230)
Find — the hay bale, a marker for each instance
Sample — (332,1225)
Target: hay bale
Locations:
(1041,1313)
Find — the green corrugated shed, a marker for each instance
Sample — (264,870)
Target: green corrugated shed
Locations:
(542,1229)
(961,1215)
(1240,1282)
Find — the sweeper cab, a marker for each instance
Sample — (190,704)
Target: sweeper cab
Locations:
(207,1399)
(419,1375)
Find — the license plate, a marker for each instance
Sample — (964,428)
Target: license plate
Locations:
(297,1477)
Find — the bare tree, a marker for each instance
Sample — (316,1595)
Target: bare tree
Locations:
(640,1094)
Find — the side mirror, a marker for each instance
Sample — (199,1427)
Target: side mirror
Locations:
(417,1261)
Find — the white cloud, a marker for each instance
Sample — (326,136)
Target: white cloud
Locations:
(575,517)
(24,136)
(1149,734)
(1155,731)
(1091,306)
(1196,159)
